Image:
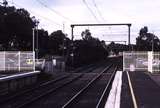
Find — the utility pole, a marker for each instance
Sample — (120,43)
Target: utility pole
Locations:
(33,50)
(153,43)
(72,45)
(63,27)
(33,36)
(36,29)
(37,49)
(129,35)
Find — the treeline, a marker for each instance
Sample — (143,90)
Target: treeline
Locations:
(147,41)
(89,49)
(15,29)
(16,34)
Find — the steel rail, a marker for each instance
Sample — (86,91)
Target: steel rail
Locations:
(40,86)
(36,87)
(48,92)
(85,88)
(106,91)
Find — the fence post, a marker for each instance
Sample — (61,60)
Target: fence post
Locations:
(150,62)
(33,60)
(19,61)
(123,61)
(4,61)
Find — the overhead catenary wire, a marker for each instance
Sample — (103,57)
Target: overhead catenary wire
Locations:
(43,17)
(90,10)
(54,11)
(99,12)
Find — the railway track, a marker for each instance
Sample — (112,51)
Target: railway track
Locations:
(93,93)
(19,100)
(91,67)
(92,83)
(33,95)
(9,97)
(59,77)
(62,96)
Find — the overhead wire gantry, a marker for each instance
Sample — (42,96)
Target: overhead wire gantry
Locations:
(118,24)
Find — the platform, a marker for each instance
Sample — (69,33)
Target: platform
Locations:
(6,77)
(145,90)
(12,82)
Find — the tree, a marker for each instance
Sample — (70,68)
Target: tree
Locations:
(146,41)
(20,25)
(86,35)
(88,50)
(15,28)
(43,39)
(4,34)
(58,43)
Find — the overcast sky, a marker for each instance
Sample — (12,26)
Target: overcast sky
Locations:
(53,14)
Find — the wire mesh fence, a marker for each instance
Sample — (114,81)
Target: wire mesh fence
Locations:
(156,62)
(17,61)
(141,61)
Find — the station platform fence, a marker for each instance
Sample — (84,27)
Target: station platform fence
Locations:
(141,61)
(17,61)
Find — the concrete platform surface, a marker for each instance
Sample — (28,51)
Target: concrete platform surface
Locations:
(146,90)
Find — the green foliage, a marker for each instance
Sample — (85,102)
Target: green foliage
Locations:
(88,50)
(115,48)
(16,33)
(43,39)
(15,29)
(58,43)
(86,35)
(147,41)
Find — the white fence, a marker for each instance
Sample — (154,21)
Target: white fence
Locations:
(141,61)
(17,61)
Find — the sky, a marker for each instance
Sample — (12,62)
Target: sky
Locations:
(60,14)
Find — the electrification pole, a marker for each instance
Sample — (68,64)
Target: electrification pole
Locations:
(33,36)
(37,49)
(72,45)
(118,24)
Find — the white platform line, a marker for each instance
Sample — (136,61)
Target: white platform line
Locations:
(113,100)
(132,93)
(18,75)
(118,96)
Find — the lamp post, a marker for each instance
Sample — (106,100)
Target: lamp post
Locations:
(72,45)
(33,36)
(36,22)
(33,29)
(153,43)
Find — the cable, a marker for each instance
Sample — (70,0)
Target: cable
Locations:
(95,5)
(47,19)
(56,12)
(90,10)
